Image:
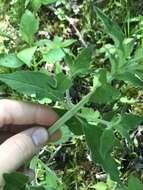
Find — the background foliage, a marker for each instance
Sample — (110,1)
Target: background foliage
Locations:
(70,55)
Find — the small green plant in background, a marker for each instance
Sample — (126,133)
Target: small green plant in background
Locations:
(46,70)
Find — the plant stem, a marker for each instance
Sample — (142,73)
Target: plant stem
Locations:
(70,20)
(69,114)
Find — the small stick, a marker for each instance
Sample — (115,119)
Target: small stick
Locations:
(77,31)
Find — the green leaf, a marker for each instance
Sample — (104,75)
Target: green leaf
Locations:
(139,54)
(128,45)
(112,28)
(51,181)
(75,124)
(54,51)
(56,43)
(27,2)
(45,42)
(63,82)
(130,78)
(36,4)
(30,83)
(89,114)
(37,188)
(82,62)
(92,135)
(111,167)
(101,186)
(134,183)
(132,67)
(10,60)
(114,60)
(107,142)
(105,94)
(53,55)
(15,181)
(128,122)
(60,43)
(58,68)
(26,55)
(45,2)
(140,76)
(100,77)
(69,60)
(110,183)
(29,26)
(68,42)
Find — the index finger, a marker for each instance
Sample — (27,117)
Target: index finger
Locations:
(22,113)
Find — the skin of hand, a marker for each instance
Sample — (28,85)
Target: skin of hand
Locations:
(21,134)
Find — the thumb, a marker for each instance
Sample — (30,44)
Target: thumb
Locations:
(19,148)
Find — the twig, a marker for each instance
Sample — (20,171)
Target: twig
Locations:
(54,154)
(69,103)
(70,20)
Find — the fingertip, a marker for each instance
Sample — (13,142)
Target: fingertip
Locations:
(40,136)
(45,116)
(21,147)
(20,113)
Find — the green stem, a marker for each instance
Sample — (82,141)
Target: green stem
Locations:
(104,122)
(69,114)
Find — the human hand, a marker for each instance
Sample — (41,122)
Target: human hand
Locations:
(18,141)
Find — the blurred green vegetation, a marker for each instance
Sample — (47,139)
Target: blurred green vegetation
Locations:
(77,19)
